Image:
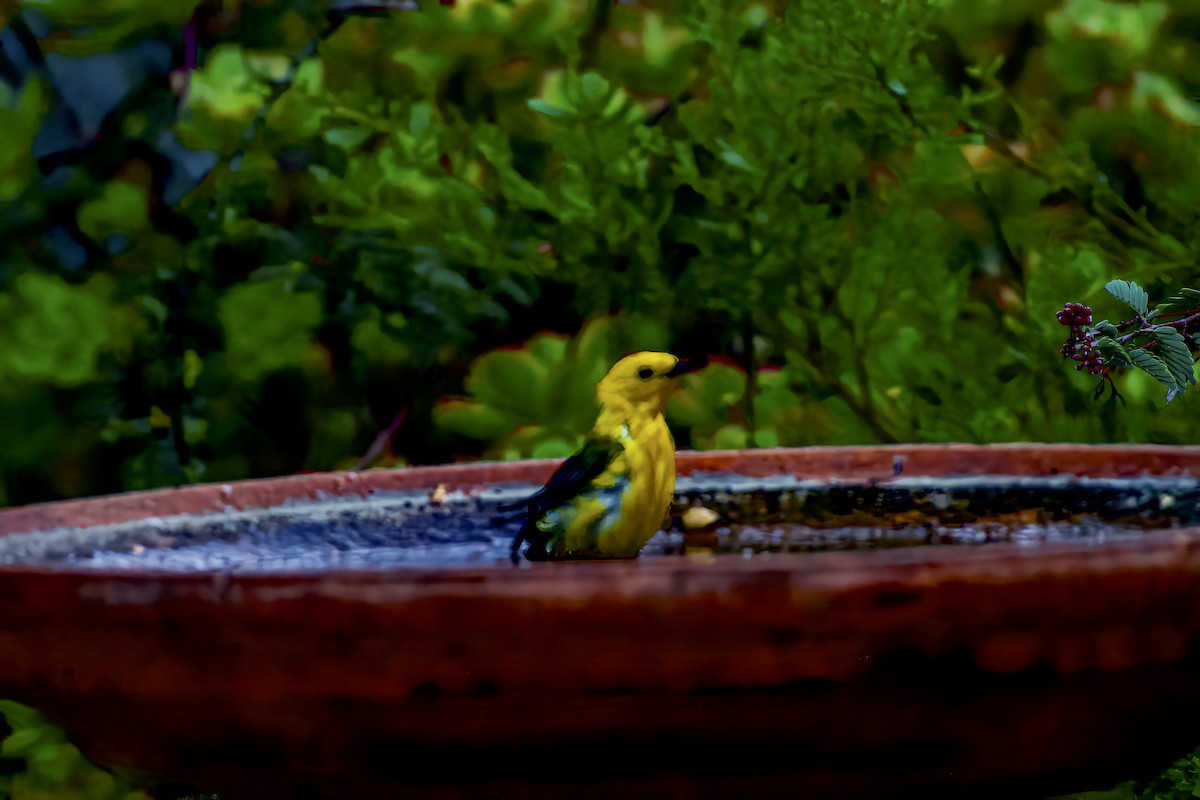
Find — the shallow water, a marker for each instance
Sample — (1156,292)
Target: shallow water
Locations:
(754,518)
(260,551)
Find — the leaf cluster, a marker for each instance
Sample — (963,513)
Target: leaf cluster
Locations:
(1163,350)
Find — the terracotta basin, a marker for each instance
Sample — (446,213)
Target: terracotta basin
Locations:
(1001,670)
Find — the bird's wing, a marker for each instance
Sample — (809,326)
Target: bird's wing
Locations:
(571,478)
(573,475)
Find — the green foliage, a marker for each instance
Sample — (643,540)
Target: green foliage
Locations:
(53,767)
(55,332)
(267,328)
(1180,781)
(19,119)
(225,96)
(250,266)
(539,400)
(1188,300)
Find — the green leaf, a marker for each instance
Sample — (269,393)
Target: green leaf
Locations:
(20,716)
(731,437)
(988,71)
(267,328)
(346,138)
(472,419)
(55,761)
(55,331)
(1153,366)
(1129,293)
(21,742)
(553,448)
(1130,27)
(732,157)
(20,125)
(1152,91)
(548,348)
(706,396)
(419,118)
(121,208)
(510,380)
(594,86)
(1115,353)
(1105,328)
(371,338)
(1175,353)
(766,438)
(1187,300)
(227,85)
(546,107)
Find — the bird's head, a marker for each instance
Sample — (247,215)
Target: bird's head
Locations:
(644,379)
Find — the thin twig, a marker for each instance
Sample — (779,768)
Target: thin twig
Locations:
(901,101)
(1178,313)
(383,440)
(751,373)
(1006,251)
(1179,323)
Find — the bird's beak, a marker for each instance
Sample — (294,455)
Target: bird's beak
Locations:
(686,365)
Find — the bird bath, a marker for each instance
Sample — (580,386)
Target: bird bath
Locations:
(946,620)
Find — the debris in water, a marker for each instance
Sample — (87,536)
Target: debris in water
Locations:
(699,517)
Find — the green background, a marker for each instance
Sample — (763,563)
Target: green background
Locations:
(870,210)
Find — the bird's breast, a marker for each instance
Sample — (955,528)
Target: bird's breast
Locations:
(648,465)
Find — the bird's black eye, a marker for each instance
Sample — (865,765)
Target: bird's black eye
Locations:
(645,373)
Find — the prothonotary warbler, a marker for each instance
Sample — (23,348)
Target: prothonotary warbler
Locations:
(607,500)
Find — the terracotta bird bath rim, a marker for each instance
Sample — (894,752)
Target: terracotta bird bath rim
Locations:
(870,463)
(992,671)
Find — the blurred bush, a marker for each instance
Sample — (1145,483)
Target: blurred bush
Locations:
(1180,781)
(38,763)
(240,237)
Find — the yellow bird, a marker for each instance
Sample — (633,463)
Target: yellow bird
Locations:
(607,500)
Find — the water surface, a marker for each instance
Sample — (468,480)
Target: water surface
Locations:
(754,518)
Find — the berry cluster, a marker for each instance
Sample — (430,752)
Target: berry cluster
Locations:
(1081,342)
(1074,314)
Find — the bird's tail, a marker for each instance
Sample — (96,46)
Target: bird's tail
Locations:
(508,512)
(516,509)
(522,504)
(537,539)
(518,540)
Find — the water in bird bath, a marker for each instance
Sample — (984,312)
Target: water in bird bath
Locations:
(750,517)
